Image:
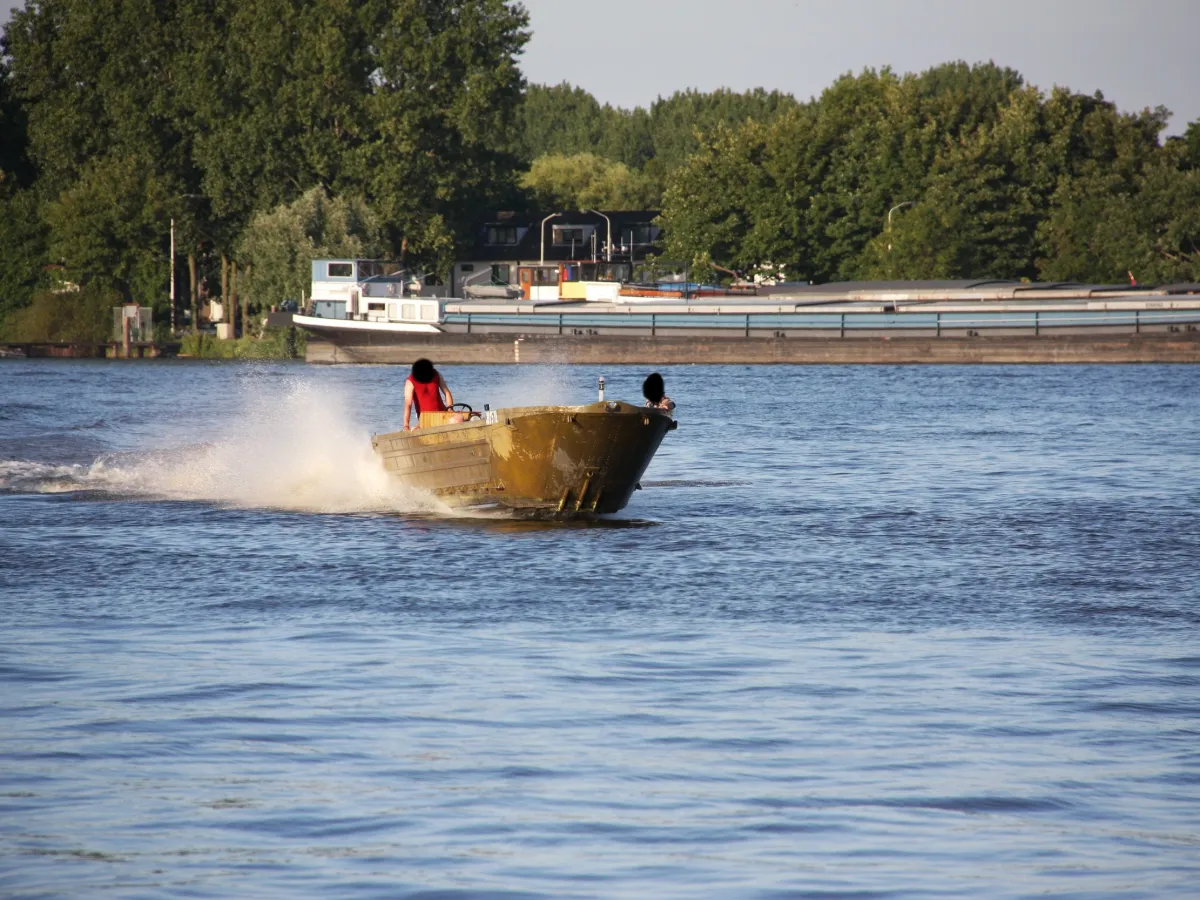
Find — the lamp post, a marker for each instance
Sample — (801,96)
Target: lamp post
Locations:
(899,205)
(608,245)
(542,236)
(888,228)
(172,276)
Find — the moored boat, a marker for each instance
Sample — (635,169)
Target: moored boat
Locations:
(538,461)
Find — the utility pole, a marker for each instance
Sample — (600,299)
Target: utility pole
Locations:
(172,277)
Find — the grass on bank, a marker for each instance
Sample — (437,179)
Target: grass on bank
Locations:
(276,343)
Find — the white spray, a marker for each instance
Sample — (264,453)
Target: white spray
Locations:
(291,446)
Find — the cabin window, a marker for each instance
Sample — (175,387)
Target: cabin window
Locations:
(566,237)
(429,312)
(340,270)
(502,234)
(633,235)
(467,267)
(545,276)
(375,307)
(376,269)
(408,311)
(501,274)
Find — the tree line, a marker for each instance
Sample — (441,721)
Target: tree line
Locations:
(384,124)
(271,132)
(959,172)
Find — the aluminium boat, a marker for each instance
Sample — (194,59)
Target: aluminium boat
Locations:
(533,461)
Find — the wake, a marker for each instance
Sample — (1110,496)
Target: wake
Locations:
(290,447)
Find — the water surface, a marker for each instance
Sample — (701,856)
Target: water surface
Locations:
(866,632)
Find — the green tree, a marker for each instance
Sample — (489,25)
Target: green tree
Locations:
(564,120)
(22,249)
(14,133)
(105,84)
(1191,142)
(677,124)
(1104,227)
(445,92)
(99,78)
(83,315)
(279,246)
(110,229)
(586,181)
(976,161)
(235,107)
(733,205)
(21,234)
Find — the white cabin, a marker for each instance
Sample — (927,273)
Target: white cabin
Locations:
(369,290)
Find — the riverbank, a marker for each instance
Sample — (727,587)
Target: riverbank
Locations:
(451,349)
(86,350)
(276,343)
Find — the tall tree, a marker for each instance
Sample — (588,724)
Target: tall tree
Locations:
(445,91)
(107,229)
(278,246)
(102,86)
(677,124)
(22,237)
(587,181)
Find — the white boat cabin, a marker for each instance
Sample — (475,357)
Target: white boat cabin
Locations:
(370,290)
(546,282)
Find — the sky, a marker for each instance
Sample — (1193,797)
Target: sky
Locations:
(1139,53)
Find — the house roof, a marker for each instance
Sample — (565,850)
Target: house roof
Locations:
(529,244)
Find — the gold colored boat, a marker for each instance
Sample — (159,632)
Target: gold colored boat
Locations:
(553,461)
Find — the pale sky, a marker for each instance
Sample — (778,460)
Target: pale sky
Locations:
(628,52)
(1139,53)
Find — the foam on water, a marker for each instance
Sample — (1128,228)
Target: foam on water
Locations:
(291,445)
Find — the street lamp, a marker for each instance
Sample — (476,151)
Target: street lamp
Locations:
(542,236)
(896,207)
(888,229)
(608,246)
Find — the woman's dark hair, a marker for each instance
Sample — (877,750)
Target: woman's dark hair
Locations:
(423,371)
(652,388)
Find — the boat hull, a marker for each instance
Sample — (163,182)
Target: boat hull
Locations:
(547,461)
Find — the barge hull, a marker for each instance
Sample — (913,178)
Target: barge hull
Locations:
(464,349)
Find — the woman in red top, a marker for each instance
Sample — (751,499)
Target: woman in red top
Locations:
(424,389)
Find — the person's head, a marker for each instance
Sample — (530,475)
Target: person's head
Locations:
(653,388)
(423,371)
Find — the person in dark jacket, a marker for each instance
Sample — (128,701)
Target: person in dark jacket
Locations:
(654,391)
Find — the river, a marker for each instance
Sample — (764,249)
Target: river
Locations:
(902,632)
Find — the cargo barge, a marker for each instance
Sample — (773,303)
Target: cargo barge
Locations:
(965,321)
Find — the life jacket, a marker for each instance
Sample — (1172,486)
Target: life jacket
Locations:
(426,396)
